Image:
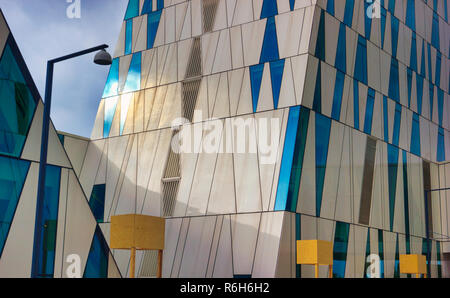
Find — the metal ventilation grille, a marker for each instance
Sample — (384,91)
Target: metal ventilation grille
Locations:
(209,14)
(149,264)
(170,191)
(190,94)
(194,68)
(173,164)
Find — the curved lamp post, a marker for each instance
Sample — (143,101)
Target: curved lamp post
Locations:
(101,58)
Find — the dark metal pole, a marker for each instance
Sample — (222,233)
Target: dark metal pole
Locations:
(44,150)
(427,227)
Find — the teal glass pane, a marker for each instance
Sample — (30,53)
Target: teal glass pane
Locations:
(132,9)
(355,104)
(256,73)
(47,232)
(367,21)
(323,128)
(153,20)
(415,135)
(383,25)
(348,14)
(147,8)
(385,119)
(97,262)
(394,35)
(397,259)
(242,276)
(435,32)
(12,178)
(381,252)
(419,86)
(110,110)
(287,159)
(397,122)
(431,96)
(413,55)
(422,63)
(367,264)
(411,15)
(446,10)
(341,52)
(340,249)
(394,89)
(297,164)
(369,111)
(438,259)
(276,76)
(338,94)
(317,102)
(112,83)
(292,4)
(17,105)
(409,85)
(391,7)
(361,60)
(330,7)
(159,4)
(269,9)
(430,65)
(128,36)
(440,95)
(97,202)
(437,76)
(440,145)
(133,82)
(393,153)
(269,50)
(61,138)
(406,196)
(298,234)
(320,44)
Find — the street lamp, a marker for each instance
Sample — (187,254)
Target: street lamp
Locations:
(101,58)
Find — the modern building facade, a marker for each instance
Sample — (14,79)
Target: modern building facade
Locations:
(356,115)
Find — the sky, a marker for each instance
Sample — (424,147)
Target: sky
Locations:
(43,31)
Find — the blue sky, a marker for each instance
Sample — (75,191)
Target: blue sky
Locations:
(43,31)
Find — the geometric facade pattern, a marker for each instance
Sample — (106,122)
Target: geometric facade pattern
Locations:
(363,109)
(66,209)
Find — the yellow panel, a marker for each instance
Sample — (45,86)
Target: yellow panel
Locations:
(413,264)
(139,231)
(311,252)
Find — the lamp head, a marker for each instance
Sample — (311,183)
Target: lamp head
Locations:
(103,58)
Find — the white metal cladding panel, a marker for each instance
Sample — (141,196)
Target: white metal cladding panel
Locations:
(91,164)
(172,234)
(76,151)
(244,231)
(223,266)
(287,91)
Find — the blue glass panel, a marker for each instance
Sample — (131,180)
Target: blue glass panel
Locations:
(397,122)
(440,95)
(440,145)
(148,7)
(367,21)
(431,97)
(330,7)
(292,4)
(405,196)
(394,35)
(110,110)
(338,94)
(413,56)
(276,76)
(45,256)
(61,138)
(112,83)
(17,104)
(361,61)
(422,63)
(409,84)
(386,119)
(317,102)
(348,14)
(397,259)
(12,178)
(446,10)
(97,262)
(340,247)
(381,250)
(394,89)
(430,66)
(132,9)
(411,15)
(128,36)
(369,111)
(269,9)
(288,155)
(297,164)
(97,202)
(323,128)
(256,73)
(355,104)
(383,25)
(391,6)
(320,44)
(133,82)
(153,20)
(437,77)
(438,254)
(242,276)
(269,50)
(393,153)
(367,264)
(435,32)
(159,4)
(298,236)
(341,52)
(419,87)
(415,135)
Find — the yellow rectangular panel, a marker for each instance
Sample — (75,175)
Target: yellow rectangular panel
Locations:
(139,231)
(413,264)
(311,252)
